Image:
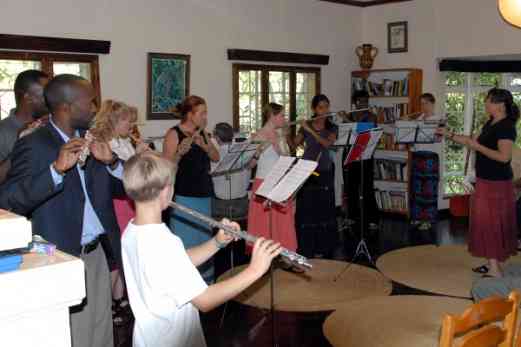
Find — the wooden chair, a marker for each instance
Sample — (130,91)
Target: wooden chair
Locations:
(475,326)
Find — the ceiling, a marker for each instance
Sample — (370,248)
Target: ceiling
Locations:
(364,3)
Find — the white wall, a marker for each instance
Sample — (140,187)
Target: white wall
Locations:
(205,29)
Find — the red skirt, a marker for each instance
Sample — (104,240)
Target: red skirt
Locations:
(125,211)
(493,222)
(282,220)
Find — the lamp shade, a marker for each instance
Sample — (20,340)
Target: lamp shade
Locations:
(511,11)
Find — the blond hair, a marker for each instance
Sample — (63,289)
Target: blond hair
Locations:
(269,110)
(145,175)
(109,115)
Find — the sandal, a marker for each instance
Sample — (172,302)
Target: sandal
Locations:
(483,269)
(119,311)
(490,276)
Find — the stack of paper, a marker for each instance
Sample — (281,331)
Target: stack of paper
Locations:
(15,231)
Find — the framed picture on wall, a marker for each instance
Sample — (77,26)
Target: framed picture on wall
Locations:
(397,37)
(168,83)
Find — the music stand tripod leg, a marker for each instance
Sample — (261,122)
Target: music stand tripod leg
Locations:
(361,248)
(272,282)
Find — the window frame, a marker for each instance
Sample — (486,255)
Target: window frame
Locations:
(265,70)
(48,59)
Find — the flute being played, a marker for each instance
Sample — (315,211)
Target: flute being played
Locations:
(329,114)
(85,152)
(293,257)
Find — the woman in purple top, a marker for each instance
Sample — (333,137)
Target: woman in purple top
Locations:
(315,217)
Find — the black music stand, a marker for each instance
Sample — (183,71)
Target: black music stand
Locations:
(345,135)
(237,159)
(362,149)
(270,202)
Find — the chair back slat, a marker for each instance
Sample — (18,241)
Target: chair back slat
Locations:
(475,324)
(488,310)
(487,336)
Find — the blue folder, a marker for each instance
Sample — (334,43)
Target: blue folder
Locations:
(364,126)
(10,262)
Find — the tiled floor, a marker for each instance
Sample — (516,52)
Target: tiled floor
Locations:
(246,326)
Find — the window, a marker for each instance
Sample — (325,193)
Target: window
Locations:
(257,85)
(465,108)
(12,63)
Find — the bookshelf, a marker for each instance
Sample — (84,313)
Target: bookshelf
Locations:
(393,93)
(391,86)
(391,180)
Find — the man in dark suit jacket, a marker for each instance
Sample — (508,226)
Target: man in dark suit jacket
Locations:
(69,205)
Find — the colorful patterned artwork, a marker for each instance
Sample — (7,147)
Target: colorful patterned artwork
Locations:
(168,83)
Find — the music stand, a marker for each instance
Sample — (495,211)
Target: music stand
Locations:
(236,159)
(406,132)
(279,187)
(427,132)
(345,136)
(411,132)
(363,149)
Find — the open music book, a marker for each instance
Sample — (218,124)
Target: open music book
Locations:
(236,159)
(285,179)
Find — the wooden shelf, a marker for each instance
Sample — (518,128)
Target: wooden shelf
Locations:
(388,97)
(395,181)
(404,212)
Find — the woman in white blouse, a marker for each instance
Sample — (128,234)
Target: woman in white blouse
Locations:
(114,123)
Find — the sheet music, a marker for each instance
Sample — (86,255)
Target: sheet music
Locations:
(406,131)
(237,157)
(344,131)
(292,181)
(427,133)
(277,172)
(373,142)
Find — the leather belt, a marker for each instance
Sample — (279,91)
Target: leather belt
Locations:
(89,247)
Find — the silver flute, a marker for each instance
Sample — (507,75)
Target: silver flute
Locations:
(292,257)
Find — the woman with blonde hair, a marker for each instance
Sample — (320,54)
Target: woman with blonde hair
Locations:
(282,226)
(114,123)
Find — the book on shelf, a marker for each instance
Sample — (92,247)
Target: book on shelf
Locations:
(392,113)
(392,201)
(391,195)
(385,87)
(390,170)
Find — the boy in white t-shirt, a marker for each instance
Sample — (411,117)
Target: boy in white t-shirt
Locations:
(164,287)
